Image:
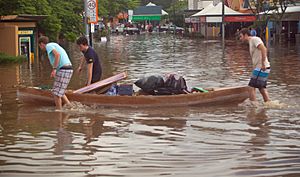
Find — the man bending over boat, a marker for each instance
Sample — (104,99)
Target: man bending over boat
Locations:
(90,57)
(62,70)
(261,65)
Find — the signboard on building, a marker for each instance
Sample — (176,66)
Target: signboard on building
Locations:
(146,17)
(25,32)
(192,20)
(240,18)
(92,11)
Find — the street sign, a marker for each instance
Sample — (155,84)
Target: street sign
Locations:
(130,14)
(92,27)
(92,11)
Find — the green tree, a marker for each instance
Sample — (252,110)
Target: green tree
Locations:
(261,9)
(9,7)
(62,16)
(70,17)
(111,8)
(279,7)
(65,17)
(176,11)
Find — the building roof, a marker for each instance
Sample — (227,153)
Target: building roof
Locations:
(23,17)
(212,10)
(289,9)
(148,10)
(162,10)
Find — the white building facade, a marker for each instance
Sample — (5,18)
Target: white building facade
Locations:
(199,4)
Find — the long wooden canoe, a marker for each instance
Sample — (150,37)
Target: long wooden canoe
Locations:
(217,96)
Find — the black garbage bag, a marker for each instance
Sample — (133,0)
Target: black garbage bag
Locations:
(173,86)
(150,84)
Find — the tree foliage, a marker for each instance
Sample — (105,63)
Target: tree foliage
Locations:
(111,8)
(63,16)
(175,8)
(261,9)
(176,11)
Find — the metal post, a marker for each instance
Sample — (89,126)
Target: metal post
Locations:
(91,36)
(87,29)
(223,22)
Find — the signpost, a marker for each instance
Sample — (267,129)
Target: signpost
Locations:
(91,17)
(92,11)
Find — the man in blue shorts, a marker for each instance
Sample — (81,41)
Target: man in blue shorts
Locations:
(62,70)
(261,65)
(90,57)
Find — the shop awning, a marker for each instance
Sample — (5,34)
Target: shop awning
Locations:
(143,13)
(213,14)
(162,10)
(292,13)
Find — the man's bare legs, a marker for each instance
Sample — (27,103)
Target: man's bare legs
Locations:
(264,94)
(252,94)
(65,99)
(58,102)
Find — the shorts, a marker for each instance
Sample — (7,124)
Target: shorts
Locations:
(259,78)
(61,82)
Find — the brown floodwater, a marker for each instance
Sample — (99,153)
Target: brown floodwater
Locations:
(224,140)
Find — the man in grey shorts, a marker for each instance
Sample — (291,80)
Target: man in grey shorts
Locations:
(62,70)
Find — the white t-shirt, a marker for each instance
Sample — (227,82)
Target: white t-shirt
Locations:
(255,53)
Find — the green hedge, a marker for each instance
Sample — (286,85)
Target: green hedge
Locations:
(11,59)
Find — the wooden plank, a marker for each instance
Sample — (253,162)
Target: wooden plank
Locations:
(102,83)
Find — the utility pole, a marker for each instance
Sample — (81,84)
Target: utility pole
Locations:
(223,21)
(87,29)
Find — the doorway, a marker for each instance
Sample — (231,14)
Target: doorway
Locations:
(25,47)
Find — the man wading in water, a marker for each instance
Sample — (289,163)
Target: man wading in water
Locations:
(261,65)
(61,70)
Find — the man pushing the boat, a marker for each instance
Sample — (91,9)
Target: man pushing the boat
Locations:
(62,70)
(261,65)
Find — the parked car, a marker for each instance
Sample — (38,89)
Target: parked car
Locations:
(118,29)
(131,30)
(171,28)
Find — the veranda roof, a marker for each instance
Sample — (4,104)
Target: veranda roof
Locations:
(212,10)
(213,14)
(162,10)
(143,13)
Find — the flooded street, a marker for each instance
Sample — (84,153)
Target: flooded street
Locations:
(225,140)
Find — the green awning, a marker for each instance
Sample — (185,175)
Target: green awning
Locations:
(146,17)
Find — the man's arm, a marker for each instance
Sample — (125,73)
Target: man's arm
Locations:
(90,73)
(56,62)
(82,61)
(263,50)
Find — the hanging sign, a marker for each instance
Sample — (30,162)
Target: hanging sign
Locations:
(92,11)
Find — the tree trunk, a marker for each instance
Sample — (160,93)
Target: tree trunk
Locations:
(278,28)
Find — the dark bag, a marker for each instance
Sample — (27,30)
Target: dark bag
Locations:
(173,86)
(149,84)
(125,89)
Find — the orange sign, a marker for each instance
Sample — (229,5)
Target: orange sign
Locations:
(92,11)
